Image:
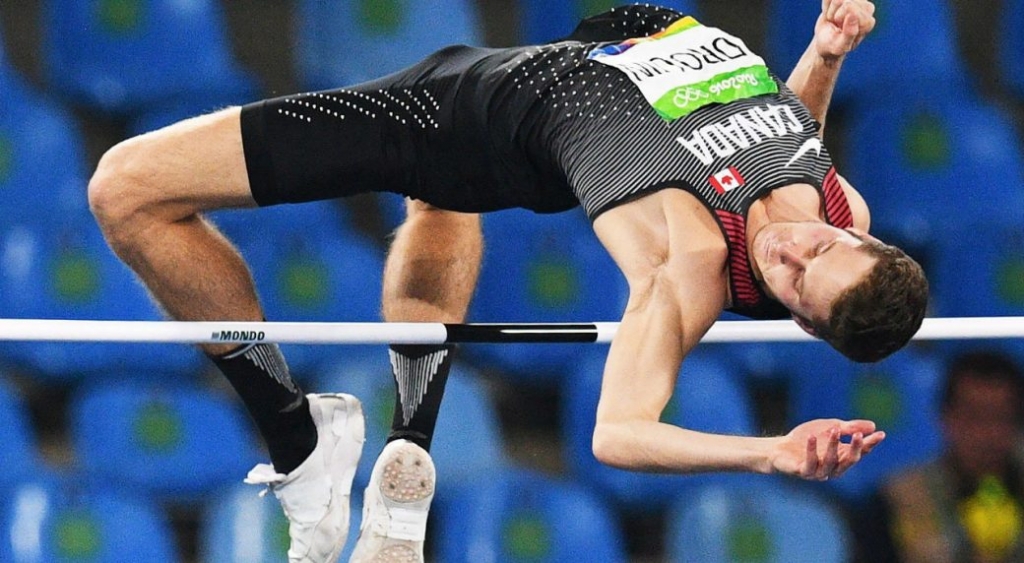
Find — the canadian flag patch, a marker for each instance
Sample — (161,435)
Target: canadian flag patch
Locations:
(726,179)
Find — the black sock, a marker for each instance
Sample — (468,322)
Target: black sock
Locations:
(280,410)
(421,373)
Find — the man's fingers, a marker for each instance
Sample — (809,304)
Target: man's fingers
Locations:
(850,427)
(811,457)
(872,440)
(840,15)
(851,30)
(832,8)
(852,455)
(831,460)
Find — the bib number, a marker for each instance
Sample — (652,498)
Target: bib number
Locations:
(688,66)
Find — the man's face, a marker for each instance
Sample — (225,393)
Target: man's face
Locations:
(982,424)
(807,265)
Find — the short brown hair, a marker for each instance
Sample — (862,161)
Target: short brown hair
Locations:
(879,315)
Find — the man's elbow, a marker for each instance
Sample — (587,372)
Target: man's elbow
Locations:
(610,446)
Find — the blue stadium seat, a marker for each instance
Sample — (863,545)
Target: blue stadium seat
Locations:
(546,20)
(979,271)
(42,156)
(992,285)
(46,521)
(890,59)
(238,525)
(769,361)
(309,266)
(176,443)
(19,457)
(63,269)
(55,261)
(766,520)
(349,41)
(926,162)
(520,515)
(899,393)
(122,57)
(543,268)
(1011,45)
(42,174)
(708,397)
(162,115)
(467,440)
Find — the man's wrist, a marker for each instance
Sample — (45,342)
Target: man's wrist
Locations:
(767,452)
(829,60)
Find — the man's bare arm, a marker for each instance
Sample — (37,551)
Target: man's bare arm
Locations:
(841,26)
(674,299)
(639,379)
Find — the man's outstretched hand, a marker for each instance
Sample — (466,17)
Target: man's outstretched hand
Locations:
(815,450)
(841,26)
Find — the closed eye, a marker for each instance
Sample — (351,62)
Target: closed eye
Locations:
(824,247)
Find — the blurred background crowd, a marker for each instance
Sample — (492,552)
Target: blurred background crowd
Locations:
(136,452)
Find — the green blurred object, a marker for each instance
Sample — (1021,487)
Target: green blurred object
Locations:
(875,398)
(77,535)
(280,540)
(587,8)
(552,283)
(304,283)
(926,142)
(384,17)
(1010,281)
(749,541)
(6,157)
(526,537)
(120,17)
(76,277)
(158,427)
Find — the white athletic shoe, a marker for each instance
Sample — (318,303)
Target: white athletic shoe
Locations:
(315,496)
(396,505)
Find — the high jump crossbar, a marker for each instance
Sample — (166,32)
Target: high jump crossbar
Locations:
(210,332)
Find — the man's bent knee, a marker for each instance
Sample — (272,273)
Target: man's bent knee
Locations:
(173,173)
(114,189)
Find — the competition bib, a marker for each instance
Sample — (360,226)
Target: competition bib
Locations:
(688,66)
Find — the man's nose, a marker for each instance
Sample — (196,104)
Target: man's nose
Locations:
(792,254)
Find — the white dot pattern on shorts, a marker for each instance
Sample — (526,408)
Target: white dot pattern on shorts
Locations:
(417,108)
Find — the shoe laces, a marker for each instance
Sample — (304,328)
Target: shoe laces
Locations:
(264,474)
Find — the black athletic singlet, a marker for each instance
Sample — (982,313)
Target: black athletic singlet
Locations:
(543,128)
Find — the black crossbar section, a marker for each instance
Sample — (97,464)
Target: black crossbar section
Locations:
(520,332)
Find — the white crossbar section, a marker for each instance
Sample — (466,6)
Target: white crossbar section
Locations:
(951,328)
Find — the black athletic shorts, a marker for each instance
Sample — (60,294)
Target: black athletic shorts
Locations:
(433,132)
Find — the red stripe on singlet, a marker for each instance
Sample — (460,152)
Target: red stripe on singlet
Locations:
(744,290)
(837,208)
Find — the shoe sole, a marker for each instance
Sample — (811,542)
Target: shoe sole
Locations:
(347,451)
(407,477)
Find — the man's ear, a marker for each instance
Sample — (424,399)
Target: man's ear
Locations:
(805,324)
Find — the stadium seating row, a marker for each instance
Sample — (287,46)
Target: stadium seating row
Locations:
(139,448)
(176,56)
